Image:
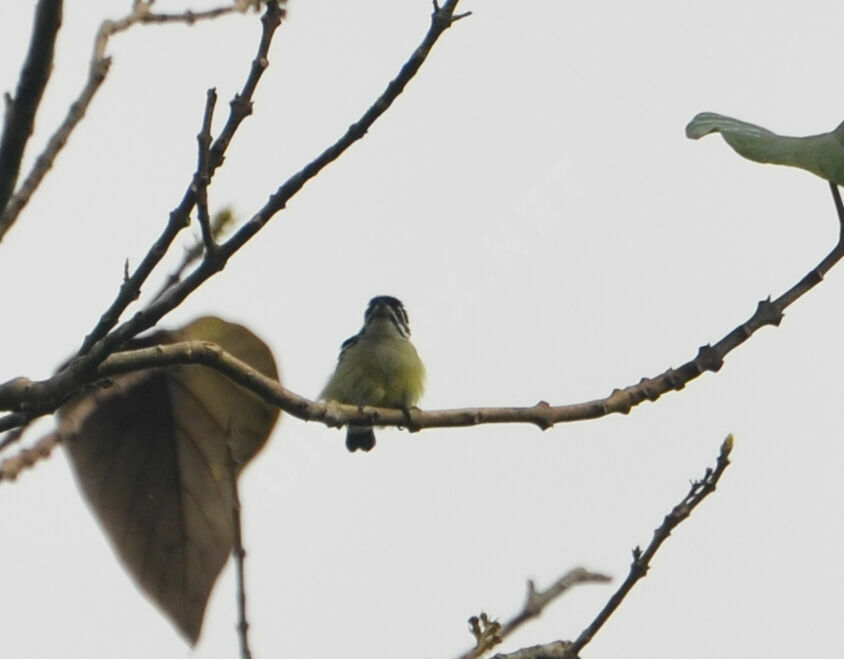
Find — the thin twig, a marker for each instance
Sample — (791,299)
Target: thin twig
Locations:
(441,19)
(203,140)
(537,600)
(535,604)
(44,162)
(97,72)
(142,14)
(239,554)
(641,562)
(20,110)
(10,468)
(15,421)
(219,225)
(12,437)
(641,559)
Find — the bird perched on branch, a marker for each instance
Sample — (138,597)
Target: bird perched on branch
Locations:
(378,367)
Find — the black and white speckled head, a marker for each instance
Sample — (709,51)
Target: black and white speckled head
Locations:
(386,308)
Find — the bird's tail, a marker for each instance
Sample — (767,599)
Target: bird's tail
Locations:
(360,437)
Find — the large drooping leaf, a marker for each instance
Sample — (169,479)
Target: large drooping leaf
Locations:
(150,453)
(820,154)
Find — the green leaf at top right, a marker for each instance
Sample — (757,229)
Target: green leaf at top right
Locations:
(823,154)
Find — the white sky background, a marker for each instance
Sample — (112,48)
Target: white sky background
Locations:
(532,198)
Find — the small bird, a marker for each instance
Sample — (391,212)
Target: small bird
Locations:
(378,366)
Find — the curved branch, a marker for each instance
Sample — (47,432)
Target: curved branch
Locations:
(27,400)
(542,414)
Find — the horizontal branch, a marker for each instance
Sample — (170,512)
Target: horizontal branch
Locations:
(44,397)
(542,414)
(27,400)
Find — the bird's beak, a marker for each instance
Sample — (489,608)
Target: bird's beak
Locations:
(380,311)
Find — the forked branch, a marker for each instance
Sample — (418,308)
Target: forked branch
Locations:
(41,48)
(698,491)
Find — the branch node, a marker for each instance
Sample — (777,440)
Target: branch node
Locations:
(650,388)
(543,418)
(624,404)
(708,359)
(768,313)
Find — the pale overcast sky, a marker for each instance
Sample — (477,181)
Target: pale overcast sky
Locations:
(533,200)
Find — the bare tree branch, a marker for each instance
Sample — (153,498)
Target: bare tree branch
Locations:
(641,562)
(642,559)
(20,110)
(44,162)
(27,399)
(555,650)
(535,603)
(441,20)
(98,70)
(240,108)
(11,468)
(219,225)
(204,144)
(239,554)
(537,600)
(44,397)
